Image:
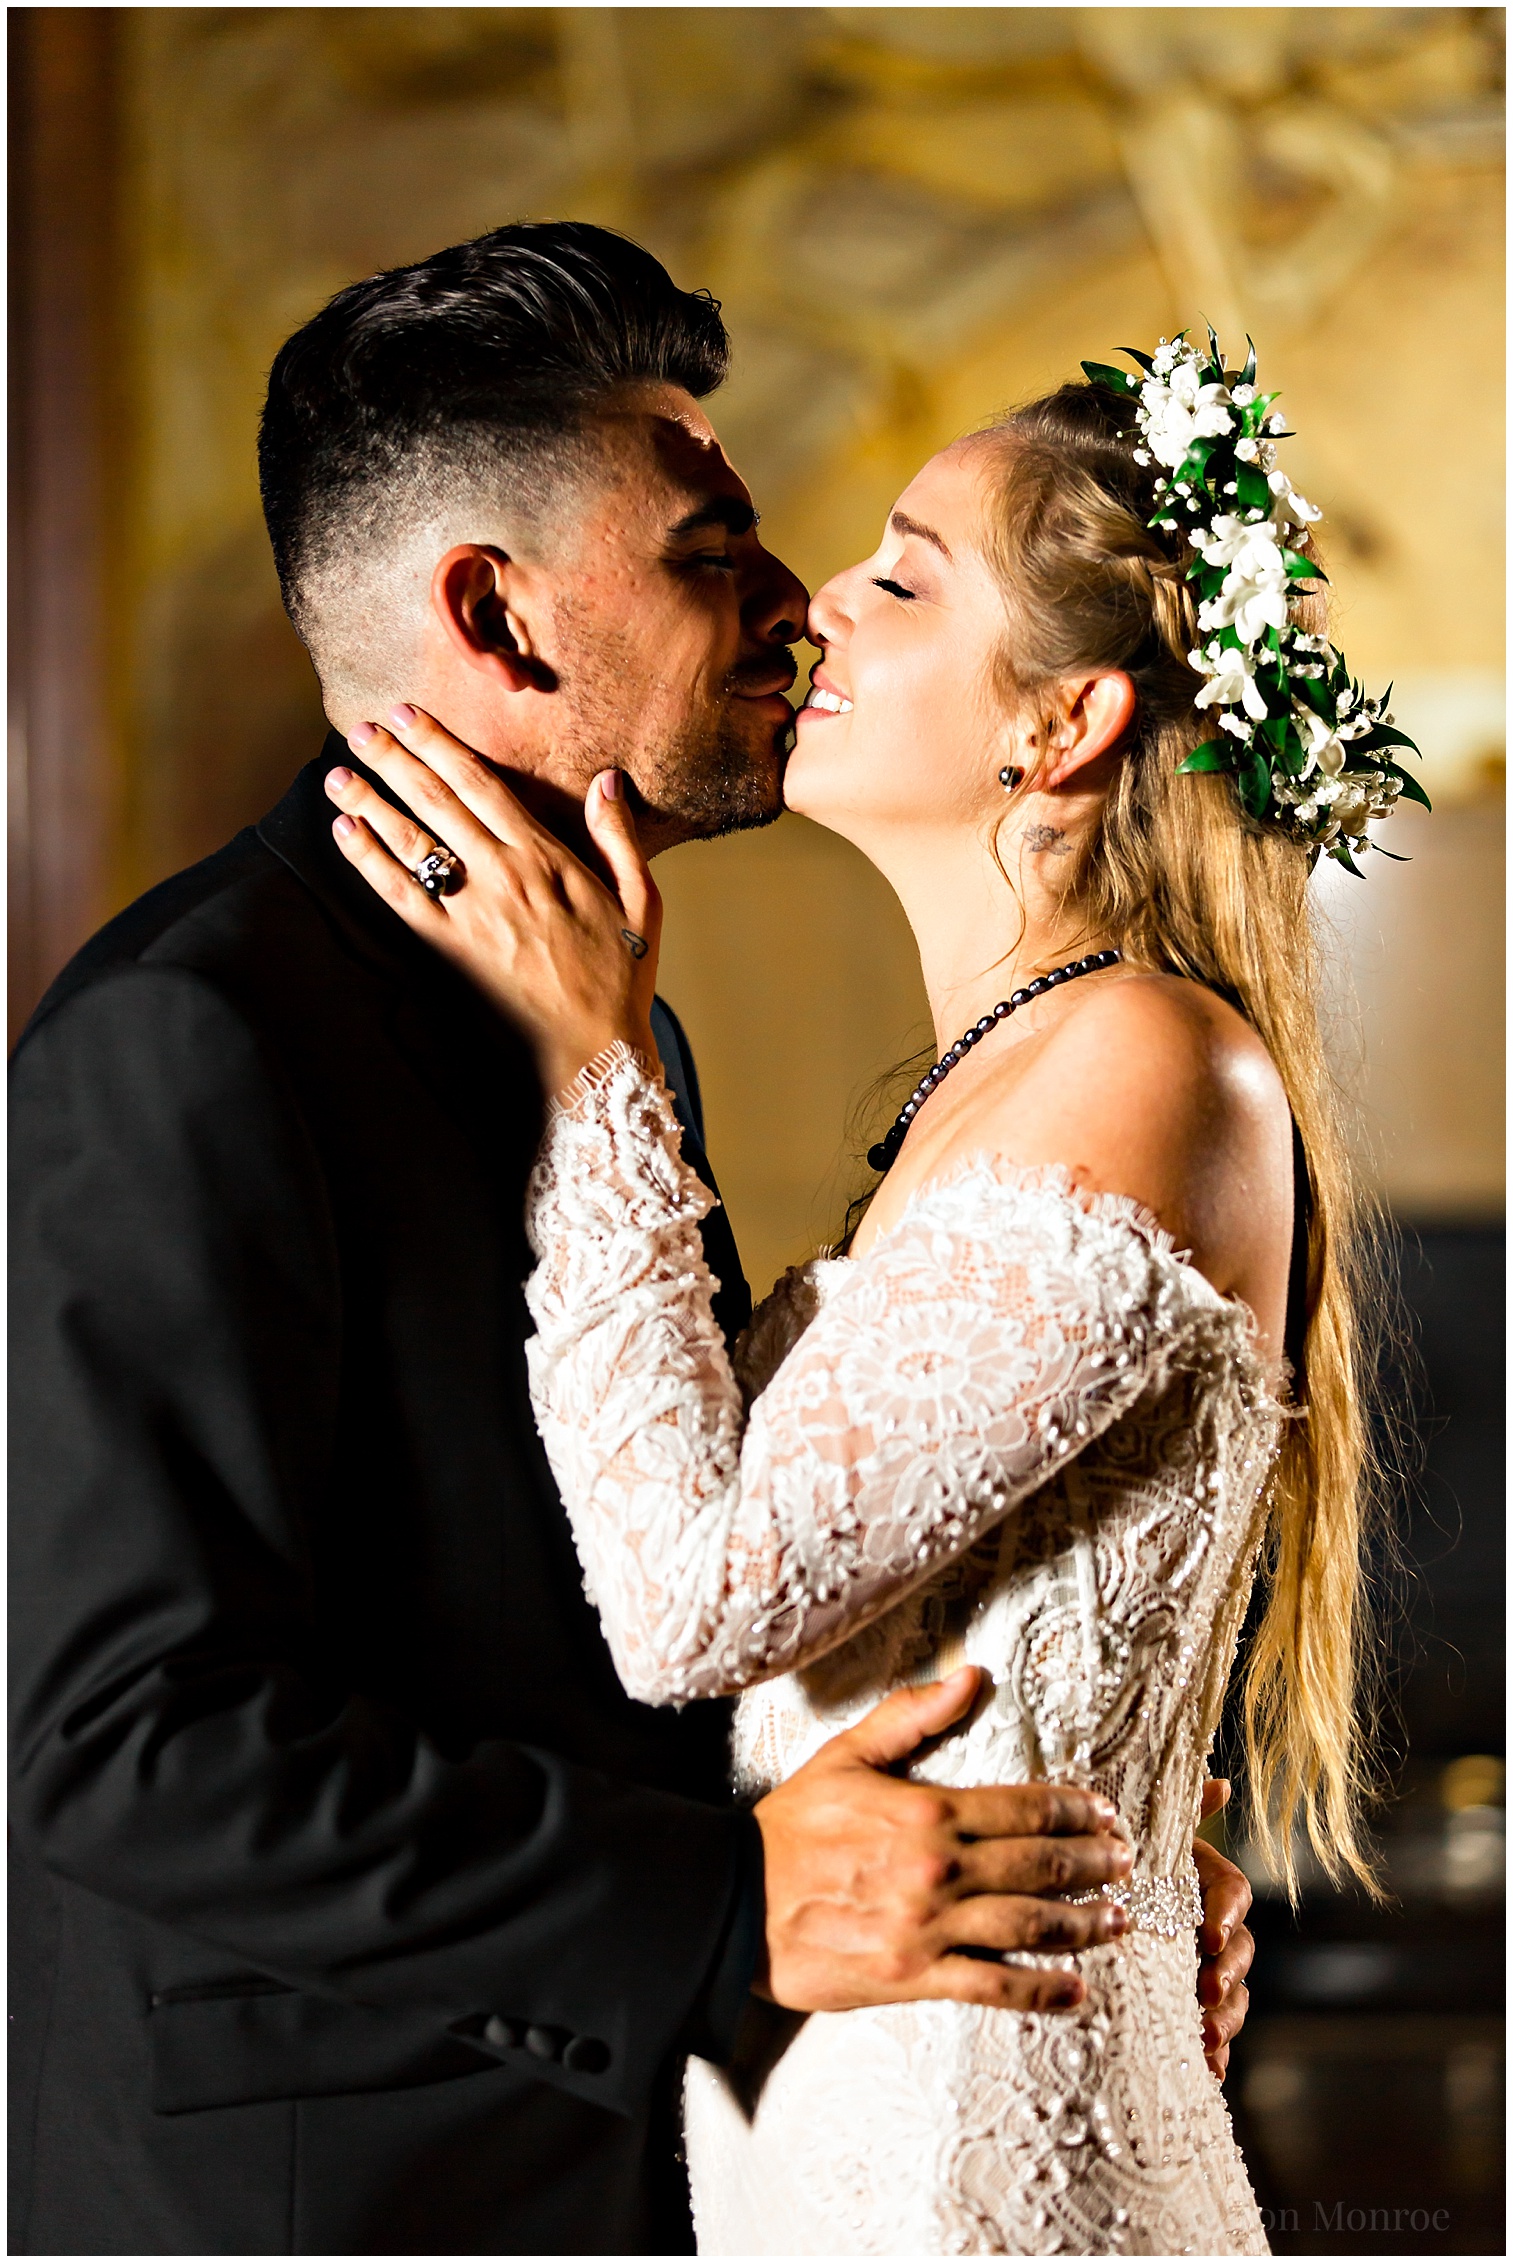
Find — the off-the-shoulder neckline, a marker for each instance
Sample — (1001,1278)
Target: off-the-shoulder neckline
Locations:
(1055,1179)
(1043,1178)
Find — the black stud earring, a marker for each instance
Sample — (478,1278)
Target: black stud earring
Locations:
(1010,776)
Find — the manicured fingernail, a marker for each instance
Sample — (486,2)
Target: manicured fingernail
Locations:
(344,826)
(1069,1993)
(609,785)
(1117,1921)
(360,734)
(403,715)
(1105,1811)
(338,780)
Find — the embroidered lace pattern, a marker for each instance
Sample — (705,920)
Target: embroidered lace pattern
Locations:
(1023,1432)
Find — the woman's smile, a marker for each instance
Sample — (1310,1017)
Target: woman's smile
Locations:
(825,696)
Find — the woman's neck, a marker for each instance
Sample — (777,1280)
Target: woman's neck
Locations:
(982,936)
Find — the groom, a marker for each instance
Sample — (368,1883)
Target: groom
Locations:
(356,1909)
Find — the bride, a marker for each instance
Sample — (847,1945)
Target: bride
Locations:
(1044,1412)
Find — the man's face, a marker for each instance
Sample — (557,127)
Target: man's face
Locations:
(670,628)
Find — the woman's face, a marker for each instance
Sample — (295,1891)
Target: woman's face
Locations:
(903,725)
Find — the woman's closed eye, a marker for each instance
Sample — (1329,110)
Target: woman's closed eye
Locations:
(894,588)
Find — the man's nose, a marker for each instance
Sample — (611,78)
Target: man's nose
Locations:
(776,609)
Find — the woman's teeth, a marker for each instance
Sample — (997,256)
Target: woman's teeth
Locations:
(828,702)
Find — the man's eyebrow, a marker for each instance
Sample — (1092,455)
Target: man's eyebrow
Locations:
(727,511)
(901,523)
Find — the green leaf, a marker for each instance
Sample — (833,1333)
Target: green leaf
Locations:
(1253,493)
(1292,754)
(1135,355)
(1213,347)
(1113,380)
(1411,789)
(1341,855)
(1255,786)
(1208,756)
(1385,734)
(1314,693)
(1301,568)
(1195,462)
(1248,373)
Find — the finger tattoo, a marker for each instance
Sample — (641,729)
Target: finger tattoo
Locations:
(638,943)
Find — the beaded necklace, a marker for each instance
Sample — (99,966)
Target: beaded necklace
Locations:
(881,1156)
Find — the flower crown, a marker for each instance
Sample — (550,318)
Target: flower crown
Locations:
(1297,732)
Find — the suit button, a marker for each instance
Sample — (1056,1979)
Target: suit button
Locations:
(546,2042)
(504,2034)
(585,2054)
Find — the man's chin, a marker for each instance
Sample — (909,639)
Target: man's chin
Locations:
(726,785)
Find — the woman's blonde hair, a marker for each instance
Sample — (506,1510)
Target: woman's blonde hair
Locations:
(1183,881)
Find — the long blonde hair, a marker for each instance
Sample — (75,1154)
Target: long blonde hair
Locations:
(1184,882)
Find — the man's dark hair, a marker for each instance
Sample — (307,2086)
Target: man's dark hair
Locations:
(490,353)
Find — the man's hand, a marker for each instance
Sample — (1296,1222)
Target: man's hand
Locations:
(1225,1943)
(873,1883)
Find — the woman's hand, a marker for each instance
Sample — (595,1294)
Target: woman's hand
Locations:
(573,962)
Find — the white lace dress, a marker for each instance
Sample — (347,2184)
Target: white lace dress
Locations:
(1020,1431)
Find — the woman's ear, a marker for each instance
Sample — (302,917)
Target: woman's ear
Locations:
(471,596)
(1092,714)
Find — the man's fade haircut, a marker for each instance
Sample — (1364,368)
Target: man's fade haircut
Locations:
(480,364)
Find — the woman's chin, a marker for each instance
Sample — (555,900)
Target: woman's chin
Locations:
(812,776)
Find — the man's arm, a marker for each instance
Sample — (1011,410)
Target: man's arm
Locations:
(182,1742)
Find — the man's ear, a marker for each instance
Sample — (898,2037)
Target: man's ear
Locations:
(1092,714)
(472,598)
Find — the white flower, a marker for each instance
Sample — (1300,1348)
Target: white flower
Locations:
(1247,451)
(1142,456)
(1276,422)
(1249,608)
(1234,726)
(1321,745)
(1254,592)
(1231,683)
(1252,548)
(1288,508)
(1243,395)
(1176,413)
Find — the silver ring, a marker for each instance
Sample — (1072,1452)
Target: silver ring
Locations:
(441,873)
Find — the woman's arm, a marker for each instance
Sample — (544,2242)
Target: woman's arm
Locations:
(946,1379)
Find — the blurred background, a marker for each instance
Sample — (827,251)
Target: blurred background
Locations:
(914,217)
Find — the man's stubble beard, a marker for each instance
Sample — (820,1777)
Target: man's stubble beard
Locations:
(702,777)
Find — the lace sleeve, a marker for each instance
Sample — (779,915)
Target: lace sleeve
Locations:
(979,1346)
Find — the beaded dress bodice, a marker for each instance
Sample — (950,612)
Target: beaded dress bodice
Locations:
(1022,1432)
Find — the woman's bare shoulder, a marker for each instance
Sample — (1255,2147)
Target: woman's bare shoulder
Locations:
(1157,1088)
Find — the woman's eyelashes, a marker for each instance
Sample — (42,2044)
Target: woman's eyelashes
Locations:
(894,588)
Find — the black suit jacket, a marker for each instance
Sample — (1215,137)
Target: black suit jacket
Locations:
(357,1909)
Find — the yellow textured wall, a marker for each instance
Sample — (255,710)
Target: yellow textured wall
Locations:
(913,217)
